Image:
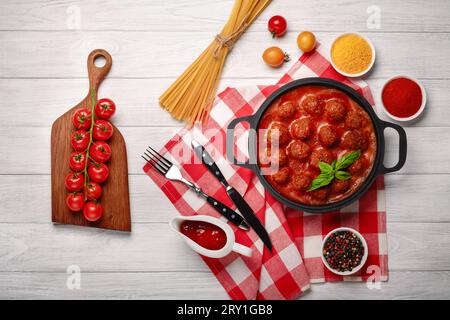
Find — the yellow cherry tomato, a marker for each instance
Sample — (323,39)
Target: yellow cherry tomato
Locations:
(306,41)
(275,57)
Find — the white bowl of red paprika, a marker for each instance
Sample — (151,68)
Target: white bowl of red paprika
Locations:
(344,251)
(403,98)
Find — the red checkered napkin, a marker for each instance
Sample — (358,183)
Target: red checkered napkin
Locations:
(279,274)
(282,273)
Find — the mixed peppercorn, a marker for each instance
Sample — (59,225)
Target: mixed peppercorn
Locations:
(343,250)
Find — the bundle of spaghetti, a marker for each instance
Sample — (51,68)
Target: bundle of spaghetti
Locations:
(191,96)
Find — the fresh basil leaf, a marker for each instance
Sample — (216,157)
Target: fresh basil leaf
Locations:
(334,170)
(333,164)
(343,175)
(325,167)
(322,180)
(347,160)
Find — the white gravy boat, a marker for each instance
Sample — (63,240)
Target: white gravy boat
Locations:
(230,245)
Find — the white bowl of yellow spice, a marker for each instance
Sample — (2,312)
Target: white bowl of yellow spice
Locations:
(352,54)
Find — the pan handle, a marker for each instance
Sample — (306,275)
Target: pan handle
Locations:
(402,147)
(251,163)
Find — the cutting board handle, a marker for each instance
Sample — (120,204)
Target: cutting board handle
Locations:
(97,74)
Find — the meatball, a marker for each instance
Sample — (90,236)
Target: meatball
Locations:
(282,158)
(328,136)
(286,110)
(312,105)
(278,133)
(264,157)
(282,176)
(301,181)
(335,110)
(298,165)
(340,186)
(301,128)
(279,158)
(358,167)
(321,155)
(299,150)
(354,120)
(320,194)
(354,140)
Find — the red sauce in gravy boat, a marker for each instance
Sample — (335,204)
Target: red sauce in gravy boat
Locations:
(208,236)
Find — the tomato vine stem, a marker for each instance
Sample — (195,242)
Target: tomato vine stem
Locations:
(86,176)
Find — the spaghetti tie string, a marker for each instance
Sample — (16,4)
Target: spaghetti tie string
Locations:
(230,40)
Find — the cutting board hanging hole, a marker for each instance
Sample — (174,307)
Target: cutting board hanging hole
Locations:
(100,62)
(97,72)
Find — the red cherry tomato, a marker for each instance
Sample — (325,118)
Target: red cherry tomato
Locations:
(75,201)
(82,118)
(92,211)
(74,181)
(105,108)
(98,172)
(79,140)
(100,151)
(77,161)
(93,190)
(102,130)
(277,25)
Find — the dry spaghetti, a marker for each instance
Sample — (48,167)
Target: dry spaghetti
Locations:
(191,96)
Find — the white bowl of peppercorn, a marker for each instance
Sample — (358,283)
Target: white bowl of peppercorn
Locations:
(344,251)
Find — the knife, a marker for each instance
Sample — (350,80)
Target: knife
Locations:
(240,203)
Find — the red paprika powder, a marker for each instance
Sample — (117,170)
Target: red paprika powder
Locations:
(402,97)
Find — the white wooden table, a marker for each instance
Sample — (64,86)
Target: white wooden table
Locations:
(43,54)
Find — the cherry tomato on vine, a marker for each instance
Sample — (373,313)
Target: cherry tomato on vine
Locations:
(275,57)
(98,172)
(74,181)
(82,118)
(93,190)
(105,108)
(75,201)
(277,26)
(92,211)
(77,161)
(79,140)
(100,151)
(102,130)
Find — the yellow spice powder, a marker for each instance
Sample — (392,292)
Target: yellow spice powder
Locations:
(351,54)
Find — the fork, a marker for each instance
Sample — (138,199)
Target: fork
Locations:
(172,172)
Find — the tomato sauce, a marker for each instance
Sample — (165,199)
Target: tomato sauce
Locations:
(205,234)
(313,124)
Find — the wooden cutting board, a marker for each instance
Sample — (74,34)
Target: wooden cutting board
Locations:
(115,198)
